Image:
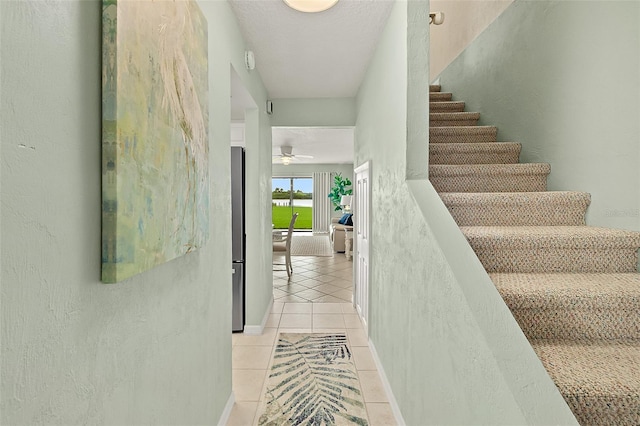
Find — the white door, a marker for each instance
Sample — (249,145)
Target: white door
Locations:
(361,223)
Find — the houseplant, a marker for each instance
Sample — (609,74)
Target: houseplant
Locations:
(341,186)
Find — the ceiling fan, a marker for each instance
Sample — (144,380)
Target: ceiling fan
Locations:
(286,156)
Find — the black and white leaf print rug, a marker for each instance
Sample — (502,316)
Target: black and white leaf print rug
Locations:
(312,381)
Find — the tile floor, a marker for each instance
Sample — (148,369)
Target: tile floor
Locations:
(316,299)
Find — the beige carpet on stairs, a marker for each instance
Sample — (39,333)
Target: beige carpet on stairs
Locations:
(573,289)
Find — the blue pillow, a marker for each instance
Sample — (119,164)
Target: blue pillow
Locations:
(344,218)
(349,221)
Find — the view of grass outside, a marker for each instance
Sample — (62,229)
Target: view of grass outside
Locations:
(296,191)
(282,217)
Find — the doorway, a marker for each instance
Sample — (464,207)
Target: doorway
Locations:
(362,233)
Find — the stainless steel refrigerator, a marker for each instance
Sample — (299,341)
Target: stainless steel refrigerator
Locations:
(237,237)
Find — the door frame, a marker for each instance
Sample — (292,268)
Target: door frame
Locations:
(364,168)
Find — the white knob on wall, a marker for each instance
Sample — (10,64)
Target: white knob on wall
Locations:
(249,60)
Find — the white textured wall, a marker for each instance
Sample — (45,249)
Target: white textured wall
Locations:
(155,349)
(448,344)
(464,21)
(563,79)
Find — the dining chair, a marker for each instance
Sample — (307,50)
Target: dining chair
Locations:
(282,244)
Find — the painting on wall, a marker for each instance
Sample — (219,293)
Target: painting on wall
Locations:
(155,176)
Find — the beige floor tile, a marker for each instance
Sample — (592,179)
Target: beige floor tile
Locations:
(325,278)
(297,308)
(291,299)
(311,274)
(327,308)
(278,293)
(348,308)
(292,289)
(327,288)
(357,337)
(329,330)
(310,294)
(352,321)
(372,388)
(328,321)
(380,414)
(267,338)
(343,294)
(251,357)
(277,308)
(295,330)
(242,414)
(295,278)
(328,299)
(295,321)
(311,283)
(273,321)
(363,358)
(247,384)
(342,283)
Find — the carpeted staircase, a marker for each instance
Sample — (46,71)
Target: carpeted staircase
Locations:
(573,289)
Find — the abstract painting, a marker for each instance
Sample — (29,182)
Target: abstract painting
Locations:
(155,173)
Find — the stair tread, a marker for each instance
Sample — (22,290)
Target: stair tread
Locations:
(516,198)
(434,88)
(595,369)
(527,237)
(475,146)
(618,291)
(449,116)
(488,169)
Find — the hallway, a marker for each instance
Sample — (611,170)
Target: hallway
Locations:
(317,300)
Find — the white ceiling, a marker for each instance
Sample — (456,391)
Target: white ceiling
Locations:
(310,55)
(327,146)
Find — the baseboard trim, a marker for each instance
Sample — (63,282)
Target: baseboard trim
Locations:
(387,386)
(224,418)
(256,330)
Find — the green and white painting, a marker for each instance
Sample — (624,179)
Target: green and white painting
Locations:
(155,177)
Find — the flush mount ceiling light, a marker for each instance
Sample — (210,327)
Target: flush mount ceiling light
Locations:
(310,6)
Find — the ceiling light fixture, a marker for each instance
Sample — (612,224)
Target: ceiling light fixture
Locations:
(311,6)
(286,160)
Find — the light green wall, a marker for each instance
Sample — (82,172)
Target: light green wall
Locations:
(562,77)
(155,348)
(330,112)
(449,346)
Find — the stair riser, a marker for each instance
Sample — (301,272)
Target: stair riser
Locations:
(518,215)
(546,260)
(446,107)
(434,88)
(579,324)
(444,157)
(449,123)
(492,183)
(461,135)
(439,97)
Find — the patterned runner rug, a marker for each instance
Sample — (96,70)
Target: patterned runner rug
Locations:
(313,380)
(316,245)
